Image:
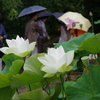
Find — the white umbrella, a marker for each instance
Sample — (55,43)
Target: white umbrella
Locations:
(76,17)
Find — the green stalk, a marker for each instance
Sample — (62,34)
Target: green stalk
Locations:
(17,90)
(29,87)
(48,87)
(96,60)
(63,89)
(92,24)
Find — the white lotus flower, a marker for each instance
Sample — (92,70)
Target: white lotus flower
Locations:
(18,46)
(56,61)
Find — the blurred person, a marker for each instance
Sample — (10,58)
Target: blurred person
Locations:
(76,32)
(65,35)
(41,23)
(31,31)
(3,36)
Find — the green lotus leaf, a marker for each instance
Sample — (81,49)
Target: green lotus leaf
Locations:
(35,95)
(32,72)
(91,45)
(87,87)
(6,93)
(66,84)
(74,42)
(55,91)
(97,22)
(8,59)
(13,68)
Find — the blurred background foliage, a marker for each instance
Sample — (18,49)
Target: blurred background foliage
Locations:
(16,26)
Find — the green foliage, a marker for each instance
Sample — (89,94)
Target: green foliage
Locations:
(8,61)
(31,74)
(91,44)
(87,86)
(55,91)
(74,43)
(35,95)
(13,66)
(97,22)
(11,8)
(6,93)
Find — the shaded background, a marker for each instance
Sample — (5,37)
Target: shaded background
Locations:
(15,26)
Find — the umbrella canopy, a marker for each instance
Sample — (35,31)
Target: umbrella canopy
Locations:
(30,10)
(57,14)
(44,13)
(76,17)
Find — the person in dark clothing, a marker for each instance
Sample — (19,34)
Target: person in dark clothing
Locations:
(3,36)
(41,23)
(31,30)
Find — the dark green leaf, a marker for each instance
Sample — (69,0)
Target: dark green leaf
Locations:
(8,59)
(6,93)
(74,42)
(35,95)
(13,64)
(56,91)
(32,72)
(97,22)
(87,87)
(91,45)
(14,69)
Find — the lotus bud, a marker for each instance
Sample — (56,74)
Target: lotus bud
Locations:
(90,13)
(85,61)
(81,25)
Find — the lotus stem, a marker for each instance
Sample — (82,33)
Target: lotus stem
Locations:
(96,59)
(17,90)
(29,87)
(49,92)
(91,15)
(92,24)
(62,84)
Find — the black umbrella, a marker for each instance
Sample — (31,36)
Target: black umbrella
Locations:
(30,10)
(44,13)
(57,15)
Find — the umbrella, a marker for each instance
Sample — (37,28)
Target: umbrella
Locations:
(57,14)
(31,9)
(44,13)
(76,17)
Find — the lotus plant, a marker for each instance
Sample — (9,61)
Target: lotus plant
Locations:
(91,15)
(18,46)
(56,61)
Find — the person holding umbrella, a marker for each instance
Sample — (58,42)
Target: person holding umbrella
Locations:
(32,29)
(65,35)
(41,22)
(76,22)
